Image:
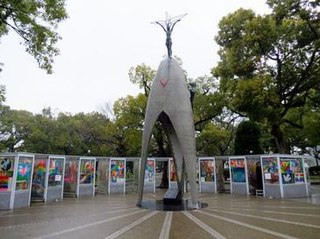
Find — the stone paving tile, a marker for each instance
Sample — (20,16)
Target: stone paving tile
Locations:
(149,229)
(117,216)
(231,230)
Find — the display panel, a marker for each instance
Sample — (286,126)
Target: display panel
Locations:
(238,172)
(117,181)
(117,171)
(291,170)
(207,170)
(270,170)
(172,171)
(55,171)
(24,173)
(150,171)
(6,173)
(70,176)
(39,178)
(87,171)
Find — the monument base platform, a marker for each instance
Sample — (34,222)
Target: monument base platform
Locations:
(159,205)
(172,197)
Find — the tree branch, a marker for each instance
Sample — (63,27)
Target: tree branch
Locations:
(16,29)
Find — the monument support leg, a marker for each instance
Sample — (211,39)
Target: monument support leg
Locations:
(147,130)
(178,157)
(185,134)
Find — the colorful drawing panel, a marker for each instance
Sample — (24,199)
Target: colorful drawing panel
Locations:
(238,172)
(149,172)
(39,178)
(24,173)
(86,171)
(237,163)
(70,176)
(270,170)
(117,171)
(55,171)
(173,172)
(207,170)
(6,173)
(291,170)
(149,176)
(238,175)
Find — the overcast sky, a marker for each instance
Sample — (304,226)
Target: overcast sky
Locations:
(102,40)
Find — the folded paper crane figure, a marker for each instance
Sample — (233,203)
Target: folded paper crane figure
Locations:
(169,102)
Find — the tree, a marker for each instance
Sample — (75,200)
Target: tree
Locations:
(247,139)
(207,102)
(129,117)
(15,128)
(306,139)
(270,64)
(36,22)
(142,75)
(83,134)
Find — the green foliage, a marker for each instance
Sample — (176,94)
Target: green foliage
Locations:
(81,134)
(36,22)
(2,94)
(142,76)
(212,140)
(129,116)
(15,128)
(269,65)
(207,103)
(247,139)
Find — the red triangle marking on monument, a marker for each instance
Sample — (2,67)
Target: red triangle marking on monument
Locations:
(163,82)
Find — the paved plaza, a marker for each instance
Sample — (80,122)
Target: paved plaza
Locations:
(116,216)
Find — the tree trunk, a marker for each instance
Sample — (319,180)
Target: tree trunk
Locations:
(281,143)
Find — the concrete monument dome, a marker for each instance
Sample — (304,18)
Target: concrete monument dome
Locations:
(169,103)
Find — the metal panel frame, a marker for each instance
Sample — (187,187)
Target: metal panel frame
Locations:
(245,171)
(214,171)
(109,183)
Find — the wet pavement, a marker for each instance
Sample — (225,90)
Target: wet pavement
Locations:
(117,216)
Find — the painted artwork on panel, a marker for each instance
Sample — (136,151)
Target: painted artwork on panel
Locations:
(173,172)
(299,178)
(6,173)
(291,170)
(86,171)
(270,170)
(149,172)
(70,176)
(237,163)
(238,173)
(39,177)
(71,172)
(207,170)
(287,178)
(55,171)
(291,165)
(117,171)
(24,173)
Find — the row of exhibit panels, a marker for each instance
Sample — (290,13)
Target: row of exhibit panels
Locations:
(28,177)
